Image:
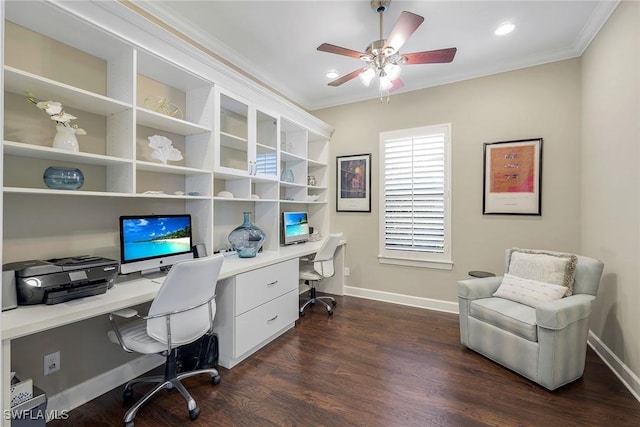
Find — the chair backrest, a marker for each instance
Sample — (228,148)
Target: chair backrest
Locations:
(588,273)
(188,284)
(323,261)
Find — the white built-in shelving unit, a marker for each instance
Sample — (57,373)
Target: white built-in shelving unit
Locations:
(110,67)
(232,142)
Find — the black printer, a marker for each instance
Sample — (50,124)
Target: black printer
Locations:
(62,279)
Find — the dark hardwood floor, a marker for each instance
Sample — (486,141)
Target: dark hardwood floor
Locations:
(376,364)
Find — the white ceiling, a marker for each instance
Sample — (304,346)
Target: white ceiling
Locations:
(276,41)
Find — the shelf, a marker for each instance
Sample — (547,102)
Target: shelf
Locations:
(316,164)
(242,199)
(166,123)
(306,202)
(292,201)
(288,157)
(39,152)
(170,196)
(43,191)
(170,169)
(291,184)
(17,81)
(265,147)
(232,141)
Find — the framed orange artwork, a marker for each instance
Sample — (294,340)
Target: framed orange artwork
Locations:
(512,177)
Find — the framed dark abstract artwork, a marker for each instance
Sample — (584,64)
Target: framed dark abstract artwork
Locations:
(353,182)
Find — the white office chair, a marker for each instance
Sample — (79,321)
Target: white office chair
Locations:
(320,266)
(182,311)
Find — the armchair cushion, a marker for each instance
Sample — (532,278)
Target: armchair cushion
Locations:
(550,267)
(529,292)
(519,319)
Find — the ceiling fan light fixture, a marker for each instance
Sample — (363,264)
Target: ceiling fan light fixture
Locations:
(332,74)
(385,81)
(392,70)
(366,76)
(504,28)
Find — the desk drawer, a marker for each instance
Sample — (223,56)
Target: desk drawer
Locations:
(264,284)
(262,322)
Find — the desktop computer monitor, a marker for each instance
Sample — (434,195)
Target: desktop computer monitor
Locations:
(149,243)
(295,227)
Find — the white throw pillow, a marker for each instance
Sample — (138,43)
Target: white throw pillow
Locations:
(527,291)
(549,267)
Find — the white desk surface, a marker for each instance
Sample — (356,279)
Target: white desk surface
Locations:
(26,320)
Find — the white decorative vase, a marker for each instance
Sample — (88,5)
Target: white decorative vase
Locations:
(65,139)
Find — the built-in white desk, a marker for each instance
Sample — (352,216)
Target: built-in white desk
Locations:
(134,290)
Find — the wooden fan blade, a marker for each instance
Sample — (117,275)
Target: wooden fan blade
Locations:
(396,84)
(431,56)
(346,78)
(331,48)
(406,25)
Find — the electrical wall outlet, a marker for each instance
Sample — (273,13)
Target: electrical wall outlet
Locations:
(347,272)
(52,363)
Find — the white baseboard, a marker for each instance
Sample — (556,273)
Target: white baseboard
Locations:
(82,393)
(622,371)
(428,303)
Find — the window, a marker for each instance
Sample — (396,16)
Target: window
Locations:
(414,197)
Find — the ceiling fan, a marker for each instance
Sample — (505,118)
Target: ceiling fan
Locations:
(382,57)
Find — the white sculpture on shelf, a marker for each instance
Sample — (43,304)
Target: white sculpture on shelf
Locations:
(163,149)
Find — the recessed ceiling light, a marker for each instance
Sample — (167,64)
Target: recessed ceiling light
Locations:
(504,28)
(332,74)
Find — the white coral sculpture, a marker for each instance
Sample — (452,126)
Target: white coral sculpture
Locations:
(163,149)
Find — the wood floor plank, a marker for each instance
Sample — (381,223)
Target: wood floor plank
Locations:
(376,364)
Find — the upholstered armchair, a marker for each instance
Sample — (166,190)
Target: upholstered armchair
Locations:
(523,322)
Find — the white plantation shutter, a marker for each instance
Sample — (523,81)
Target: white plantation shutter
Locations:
(414,196)
(267,164)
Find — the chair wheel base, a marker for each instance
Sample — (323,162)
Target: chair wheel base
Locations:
(129,424)
(334,302)
(194,413)
(215,380)
(330,312)
(127,395)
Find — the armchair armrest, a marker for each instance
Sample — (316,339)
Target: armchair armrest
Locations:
(561,313)
(478,288)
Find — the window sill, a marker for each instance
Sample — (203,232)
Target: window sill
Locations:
(433,264)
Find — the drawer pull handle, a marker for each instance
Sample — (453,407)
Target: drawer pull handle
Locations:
(269,285)
(272,319)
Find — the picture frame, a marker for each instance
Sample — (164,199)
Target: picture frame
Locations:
(512,177)
(353,183)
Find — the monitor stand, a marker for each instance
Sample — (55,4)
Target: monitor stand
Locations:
(155,273)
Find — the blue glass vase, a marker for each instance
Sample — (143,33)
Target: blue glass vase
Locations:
(246,239)
(62,178)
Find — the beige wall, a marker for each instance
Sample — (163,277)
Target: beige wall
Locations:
(542,101)
(611,179)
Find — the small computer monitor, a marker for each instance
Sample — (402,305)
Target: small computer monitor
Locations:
(295,227)
(150,243)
